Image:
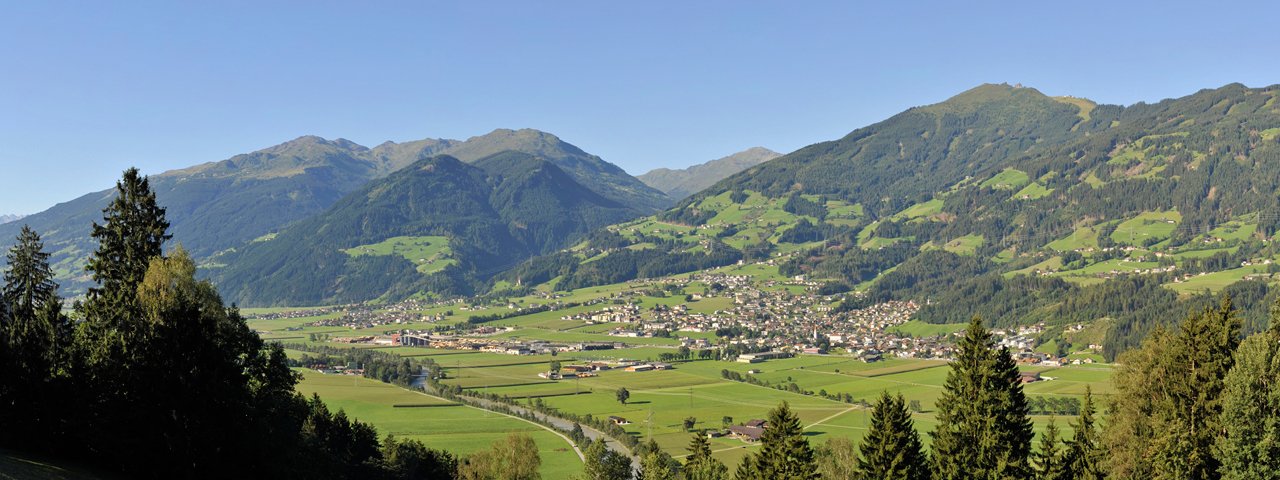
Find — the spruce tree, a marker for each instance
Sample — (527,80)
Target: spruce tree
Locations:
(29,279)
(983,431)
(1083,459)
(700,465)
(784,453)
(1050,461)
(891,449)
(32,360)
(1250,443)
(605,464)
(133,232)
(1164,420)
(1203,354)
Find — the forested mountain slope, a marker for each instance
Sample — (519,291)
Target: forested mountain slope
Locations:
(438,226)
(1000,201)
(218,206)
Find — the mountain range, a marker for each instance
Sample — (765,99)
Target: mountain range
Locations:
(1000,201)
(439,225)
(216,207)
(681,183)
(6,218)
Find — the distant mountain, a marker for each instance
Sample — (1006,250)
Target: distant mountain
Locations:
(439,225)
(681,183)
(591,171)
(6,218)
(217,206)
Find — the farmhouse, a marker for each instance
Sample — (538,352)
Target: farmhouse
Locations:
(746,433)
(1029,377)
(639,368)
(619,420)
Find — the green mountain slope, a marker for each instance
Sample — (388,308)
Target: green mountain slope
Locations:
(475,219)
(681,183)
(218,206)
(1000,201)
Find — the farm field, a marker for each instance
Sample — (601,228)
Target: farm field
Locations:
(436,422)
(661,400)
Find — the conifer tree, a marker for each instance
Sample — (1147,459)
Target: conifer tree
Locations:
(1203,354)
(1083,460)
(1250,443)
(29,279)
(983,431)
(1050,459)
(784,452)
(1165,417)
(32,358)
(133,232)
(700,465)
(891,449)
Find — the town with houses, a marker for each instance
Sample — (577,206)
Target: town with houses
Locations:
(760,324)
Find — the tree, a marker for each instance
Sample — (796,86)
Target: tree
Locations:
(33,335)
(622,395)
(1250,444)
(133,232)
(29,280)
(555,367)
(838,459)
(891,449)
(726,420)
(1082,456)
(1049,459)
(513,457)
(689,422)
(411,460)
(700,465)
(658,465)
(983,431)
(605,464)
(1166,413)
(784,452)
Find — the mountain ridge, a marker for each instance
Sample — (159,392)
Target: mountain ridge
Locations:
(477,216)
(680,183)
(217,206)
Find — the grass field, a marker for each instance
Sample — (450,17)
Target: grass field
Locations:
(660,400)
(435,421)
(430,254)
(1008,179)
(1145,227)
(916,328)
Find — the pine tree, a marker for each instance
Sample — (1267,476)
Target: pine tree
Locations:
(1164,420)
(1250,444)
(784,453)
(29,280)
(132,234)
(1083,460)
(891,449)
(1203,354)
(1050,459)
(700,465)
(32,360)
(983,431)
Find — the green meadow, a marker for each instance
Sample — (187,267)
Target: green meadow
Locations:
(436,422)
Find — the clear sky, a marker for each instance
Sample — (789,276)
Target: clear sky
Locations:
(90,88)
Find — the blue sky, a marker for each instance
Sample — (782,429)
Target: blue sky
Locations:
(88,89)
